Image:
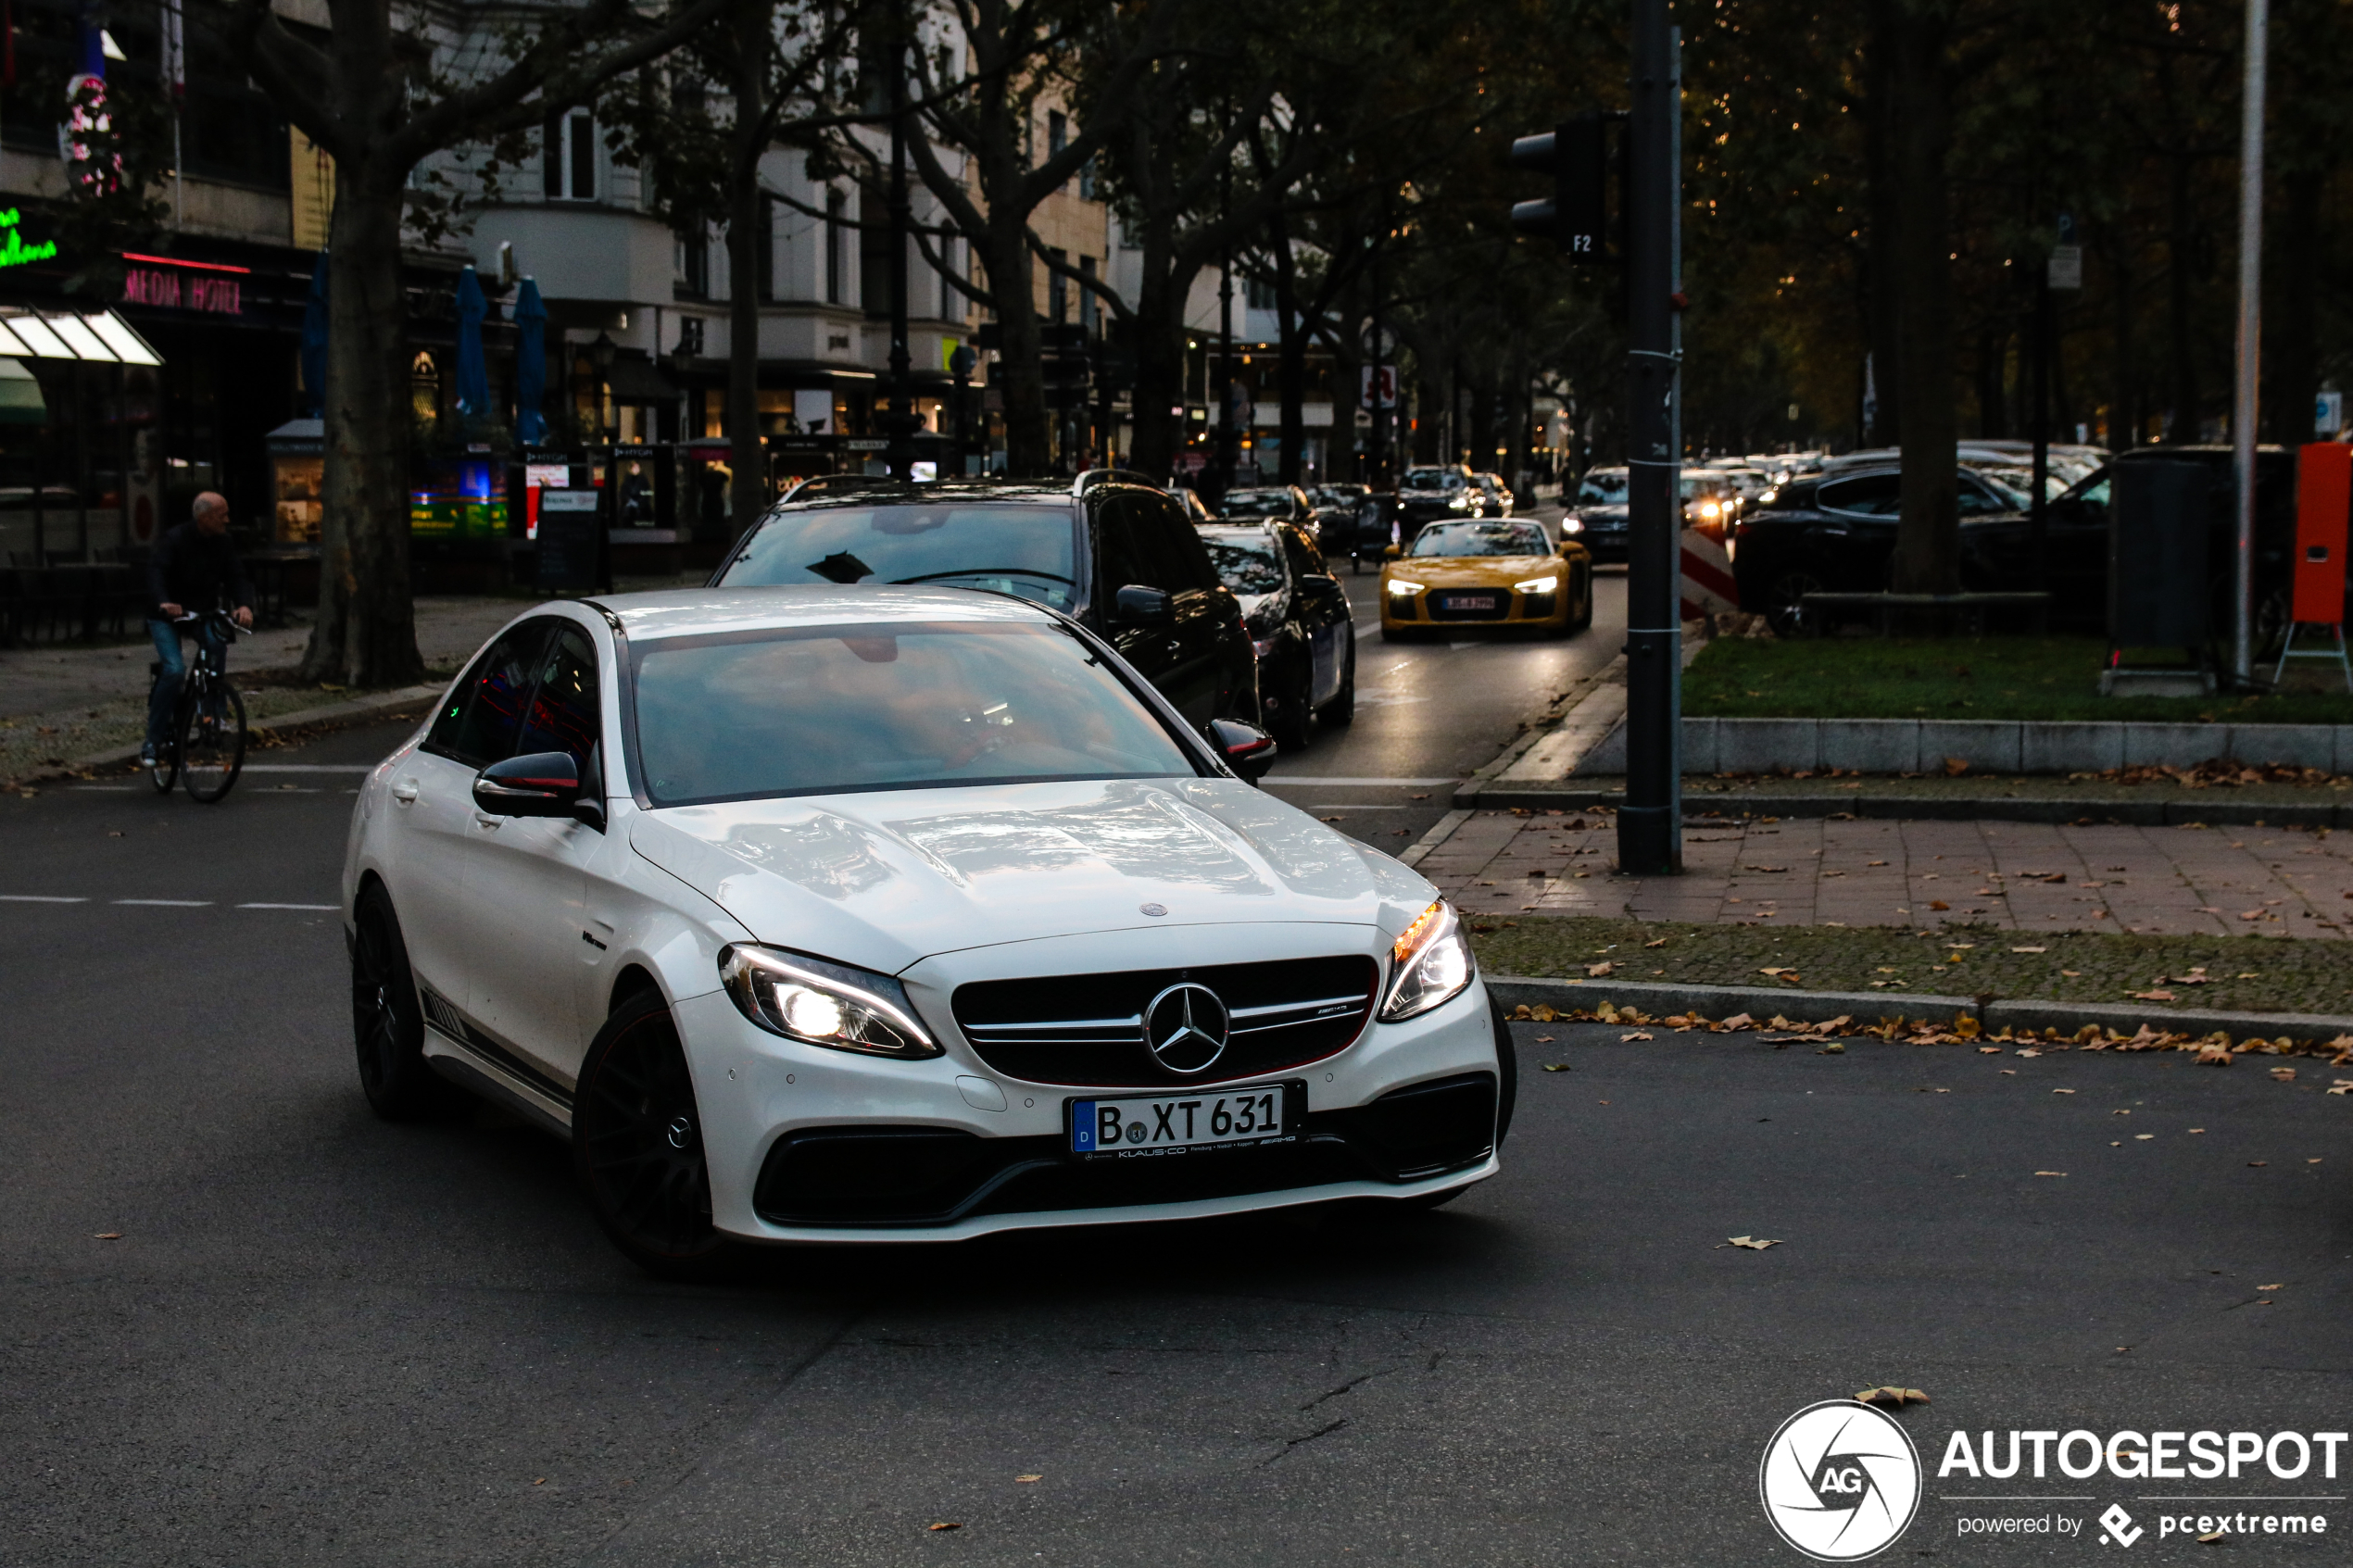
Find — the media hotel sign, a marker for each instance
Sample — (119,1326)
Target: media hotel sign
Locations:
(183,285)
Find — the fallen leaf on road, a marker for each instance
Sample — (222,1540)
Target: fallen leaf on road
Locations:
(2342,1086)
(2284,1074)
(1637,1035)
(2050,1173)
(1332,819)
(2270,1287)
(2256,1165)
(1660,943)
(2030,1051)
(2250,914)
(2214,1056)
(2197,1129)
(2009,1072)
(1033,1477)
(1418,797)
(2153,997)
(2030,949)
(1776,971)
(1938,904)
(1988,1050)
(1740,1021)
(2143,1137)
(1833,1049)
(1883,863)
(2213,1536)
(1544,1039)
(2062,1091)
(1891,1397)
(1557,1067)
(1755,1244)
(1764,868)
(107,1236)
(944,1527)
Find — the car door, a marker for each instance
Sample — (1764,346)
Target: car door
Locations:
(526,880)
(1848,547)
(1120,563)
(1322,611)
(1208,624)
(433,792)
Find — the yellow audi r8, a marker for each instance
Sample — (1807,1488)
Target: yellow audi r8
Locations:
(1494,572)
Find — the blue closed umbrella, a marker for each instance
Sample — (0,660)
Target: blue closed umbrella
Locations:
(473,376)
(531,365)
(314,341)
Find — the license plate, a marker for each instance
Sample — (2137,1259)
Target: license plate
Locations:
(1471,601)
(1143,1128)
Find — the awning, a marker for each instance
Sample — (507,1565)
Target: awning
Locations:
(20,399)
(99,337)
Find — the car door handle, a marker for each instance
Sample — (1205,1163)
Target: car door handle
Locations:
(405,791)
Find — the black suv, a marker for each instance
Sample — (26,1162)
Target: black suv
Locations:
(1110,551)
(1442,493)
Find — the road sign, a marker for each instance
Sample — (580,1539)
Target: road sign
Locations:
(2067,267)
(1379,382)
(2328,413)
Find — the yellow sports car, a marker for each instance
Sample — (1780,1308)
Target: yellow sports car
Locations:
(1497,571)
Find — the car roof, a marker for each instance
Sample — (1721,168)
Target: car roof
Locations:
(884,494)
(676,612)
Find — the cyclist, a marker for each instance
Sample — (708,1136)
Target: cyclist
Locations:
(192,568)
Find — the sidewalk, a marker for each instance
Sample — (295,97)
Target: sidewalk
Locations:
(1924,875)
(60,703)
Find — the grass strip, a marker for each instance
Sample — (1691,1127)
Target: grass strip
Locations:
(2241,974)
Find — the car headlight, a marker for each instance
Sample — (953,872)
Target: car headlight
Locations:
(1401,589)
(824,1004)
(1767,498)
(1431,964)
(1708,509)
(1572,525)
(1458,503)
(1538,584)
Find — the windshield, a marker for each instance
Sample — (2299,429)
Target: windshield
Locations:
(1603,486)
(1256,502)
(752,715)
(1246,564)
(1025,550)
(1483,539)
(1432,478)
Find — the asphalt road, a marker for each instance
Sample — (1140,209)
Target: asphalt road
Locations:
(1428,714)
(248,1325)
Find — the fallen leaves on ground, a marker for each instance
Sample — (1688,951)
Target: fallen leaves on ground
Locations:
(1891,1397)
(1938,904)
(1605,967)
(2270,1287)
(107,1236)
(2284,1074)
(1988,1050)
(1557,1067)
(2153,997)
(1660,943)
(1026,1479)
(2030,949)
(943,1527)
(2050,1173)
(2211,1537)
(2256,1165)
(1637,1035)
(2062,1091)
(1753,1243)
(2342,1086)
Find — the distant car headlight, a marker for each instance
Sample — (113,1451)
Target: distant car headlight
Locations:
(1708,509)
(824,1004)
(1431,964)
(1401,589)
(1767,498)
(1572,525)
(1458,503)
(1538,584)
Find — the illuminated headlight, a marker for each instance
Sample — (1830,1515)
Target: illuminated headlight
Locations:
(1708,509)
(1431,964)
(1767,498)
(1458,503)
(1401,589)
(824,1004)
(1572,525)
(1538,584)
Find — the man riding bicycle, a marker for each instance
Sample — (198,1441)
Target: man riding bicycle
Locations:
(193,568)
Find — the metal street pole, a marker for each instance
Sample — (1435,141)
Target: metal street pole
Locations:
(901,423)
(1650,825)
(2250,344)
(2039,512)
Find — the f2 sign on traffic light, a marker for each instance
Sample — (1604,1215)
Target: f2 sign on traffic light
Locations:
(1577,218)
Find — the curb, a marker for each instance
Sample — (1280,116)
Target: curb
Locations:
(355,710)
(1994,1014)
(1945,807)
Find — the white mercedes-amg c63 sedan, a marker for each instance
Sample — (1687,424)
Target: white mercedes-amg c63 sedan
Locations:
(886,914)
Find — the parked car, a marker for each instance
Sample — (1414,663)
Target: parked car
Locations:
(1711,503)
(1188,501)
(1352,519)
(841,914)
(1117,557)
(1504,572)
(1443,494)
(1498,493)
(1285,502)
(1300,624)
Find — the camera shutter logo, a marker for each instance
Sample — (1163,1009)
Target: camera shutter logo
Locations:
(1840,1481)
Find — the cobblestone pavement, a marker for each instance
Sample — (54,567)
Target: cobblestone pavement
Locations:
(2024,876)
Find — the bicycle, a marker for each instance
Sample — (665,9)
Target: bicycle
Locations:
(206,747)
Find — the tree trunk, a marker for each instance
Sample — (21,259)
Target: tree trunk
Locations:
(1928,536)
(366,633)
(1883,108)
(748,491)
(2292,356)
(1291,361)
(1019,374)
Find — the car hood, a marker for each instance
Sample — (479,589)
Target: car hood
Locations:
(1469,571)
(886,879)
(1611,513)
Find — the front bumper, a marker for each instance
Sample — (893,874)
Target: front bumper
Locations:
(1426,610)
(806,1144)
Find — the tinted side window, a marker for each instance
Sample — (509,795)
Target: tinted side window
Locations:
(1873,494)
(1304,560)
(1977,501)
(1118,563)
(563,713)
(1181,543)
(484,717)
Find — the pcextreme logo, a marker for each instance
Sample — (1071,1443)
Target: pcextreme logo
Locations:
(1840,1481)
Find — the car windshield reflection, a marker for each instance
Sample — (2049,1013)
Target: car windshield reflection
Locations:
(1026,550)
(1483,539)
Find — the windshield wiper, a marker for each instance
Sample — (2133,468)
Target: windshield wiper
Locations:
(988,572)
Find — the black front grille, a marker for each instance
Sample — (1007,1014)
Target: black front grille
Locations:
(1087,1029)
(921,1176)
(1462,607)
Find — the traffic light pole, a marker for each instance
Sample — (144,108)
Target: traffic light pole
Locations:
(1650,825)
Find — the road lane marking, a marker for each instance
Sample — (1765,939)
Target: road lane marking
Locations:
(37,898)
(165,903)
(328,907)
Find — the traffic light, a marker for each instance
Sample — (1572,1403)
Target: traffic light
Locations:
(1576,155)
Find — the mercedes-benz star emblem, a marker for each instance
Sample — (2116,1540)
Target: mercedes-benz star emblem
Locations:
(1184,1028)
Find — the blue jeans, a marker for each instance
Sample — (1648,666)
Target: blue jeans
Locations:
(166,694)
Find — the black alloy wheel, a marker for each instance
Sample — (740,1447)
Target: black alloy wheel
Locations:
(388,1026)
(1785,610)
(1341,709)
(637,1145)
